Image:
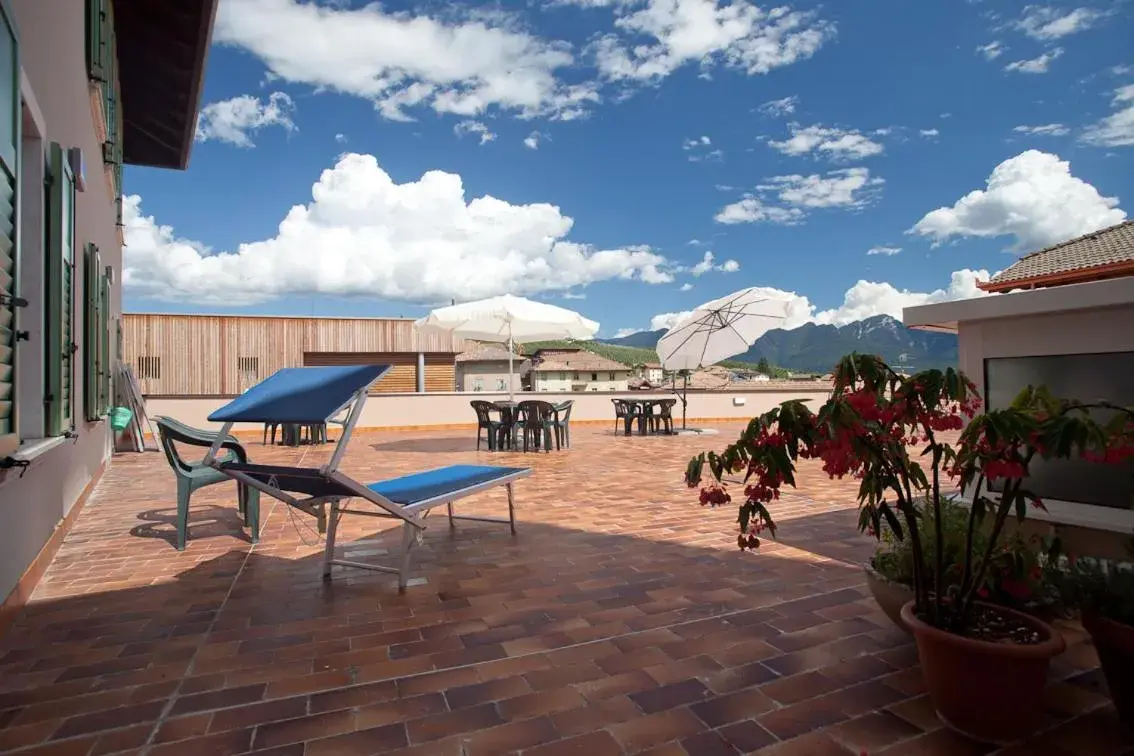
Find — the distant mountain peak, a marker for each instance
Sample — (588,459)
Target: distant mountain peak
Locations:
(816,348)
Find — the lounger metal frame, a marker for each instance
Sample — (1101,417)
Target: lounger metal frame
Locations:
(329,509)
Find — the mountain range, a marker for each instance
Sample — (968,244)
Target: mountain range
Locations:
(816,348)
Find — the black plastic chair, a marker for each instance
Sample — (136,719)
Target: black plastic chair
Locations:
(562,423)
(538,424)
(485,422)
(664,418)
(624,412)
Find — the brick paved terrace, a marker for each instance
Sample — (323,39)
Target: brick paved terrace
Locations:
(620,620)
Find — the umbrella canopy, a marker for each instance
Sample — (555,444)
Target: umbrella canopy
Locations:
(508,319)
(722,328)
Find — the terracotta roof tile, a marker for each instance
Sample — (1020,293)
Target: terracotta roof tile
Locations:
(1106,247)
(581,360)
(486,353)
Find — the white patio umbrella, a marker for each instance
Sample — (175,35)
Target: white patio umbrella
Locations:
(721,329)
(510,320)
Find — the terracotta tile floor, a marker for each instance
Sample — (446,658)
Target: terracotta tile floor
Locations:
(621,619)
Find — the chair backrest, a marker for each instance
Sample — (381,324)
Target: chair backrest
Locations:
(666,406)
(482,409)
(620,409)
(565,410)
(536,412)
(167,434)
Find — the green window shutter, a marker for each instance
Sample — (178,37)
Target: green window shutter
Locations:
(92,333)
(96,42)
(9,186)
(60,346)
(104,354)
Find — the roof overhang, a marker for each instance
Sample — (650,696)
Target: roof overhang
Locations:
(1082,275)
(1093,295)
(162,49)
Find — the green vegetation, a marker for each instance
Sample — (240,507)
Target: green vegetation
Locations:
(632,356)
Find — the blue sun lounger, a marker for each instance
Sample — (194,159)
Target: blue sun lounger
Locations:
(313,395)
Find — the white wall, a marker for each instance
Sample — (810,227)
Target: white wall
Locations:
(53,57)
(440,410)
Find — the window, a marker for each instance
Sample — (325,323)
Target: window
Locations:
(249,369)
(102,69)
(594,376)
(10,111)
(501,384)
(478,384)
(575,377)
(96,343)
(60,347)
(612,376)
(149,367)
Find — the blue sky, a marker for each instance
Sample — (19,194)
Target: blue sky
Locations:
(633,158)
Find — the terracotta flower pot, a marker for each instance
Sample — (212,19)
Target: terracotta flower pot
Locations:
(891,596)
(992,692)
(1114,642)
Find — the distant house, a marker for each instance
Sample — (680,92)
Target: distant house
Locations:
(1097,256)
(484,367)
(651,372)
(577,370)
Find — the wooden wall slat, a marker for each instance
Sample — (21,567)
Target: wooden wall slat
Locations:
(200,355)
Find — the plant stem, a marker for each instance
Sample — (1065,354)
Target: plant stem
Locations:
(1006,501)
(969,539)
(939,534)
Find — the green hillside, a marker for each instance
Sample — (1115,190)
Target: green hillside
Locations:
(626,355)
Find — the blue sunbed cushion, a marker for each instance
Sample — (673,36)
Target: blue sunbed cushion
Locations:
(410,489)
(299,395)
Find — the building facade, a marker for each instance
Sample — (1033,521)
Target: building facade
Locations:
(223,355)
(484,367)
(88,87)
(577,370)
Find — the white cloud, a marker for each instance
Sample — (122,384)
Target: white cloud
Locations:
(695,142)
(685,287)
(341,138)
(992,50)
(622,332)
(868,298)
(474,127)
(1047,129)
(846,187)
(751,209)
(929,133)
(1117,129)
(574,295)
(709,262)
(234,120)
(796,194)
(834,142)
(532,140)
(656,37)
(401,61)
(1032,196)
(781,107)
(1045,24)
(863,300)
(1035,65)
(668,319)
(885,251)
(363,234)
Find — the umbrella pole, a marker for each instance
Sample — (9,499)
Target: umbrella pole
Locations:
(511,376)
(684,399)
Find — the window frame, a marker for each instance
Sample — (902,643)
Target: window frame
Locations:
(59,311)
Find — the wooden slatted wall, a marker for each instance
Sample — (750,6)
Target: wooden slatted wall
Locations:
(208,355)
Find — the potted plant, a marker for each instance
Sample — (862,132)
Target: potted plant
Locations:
(984,665)
(1104,592)
(1023,574)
